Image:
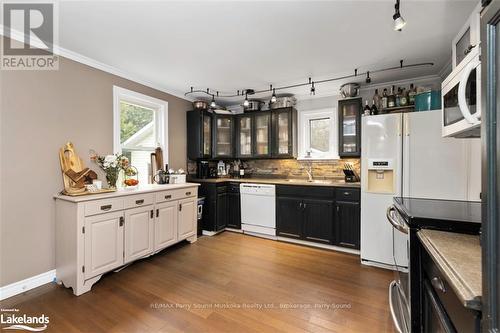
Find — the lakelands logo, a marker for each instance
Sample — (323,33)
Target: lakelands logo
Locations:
(16,321)
(30,35)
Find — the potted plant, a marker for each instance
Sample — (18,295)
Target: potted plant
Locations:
(111,165)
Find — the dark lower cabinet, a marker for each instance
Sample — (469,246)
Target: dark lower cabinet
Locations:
(289,217)
(318,220)
(222,204)
(234,207)
(311,214)
(347,233)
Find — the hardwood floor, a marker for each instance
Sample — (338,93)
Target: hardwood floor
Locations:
(225,283)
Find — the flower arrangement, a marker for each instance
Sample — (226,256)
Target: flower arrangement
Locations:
(111,165)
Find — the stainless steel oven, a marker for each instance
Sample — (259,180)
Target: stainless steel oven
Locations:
(399,289)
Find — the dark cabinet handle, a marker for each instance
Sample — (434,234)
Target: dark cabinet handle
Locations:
(168,197)
(152,213)
(121,221)
(188,193)
(347,194)
(139,202)
(300,205)
(180,207)
(157,212)
(304,206)
(106,207)
(438,284)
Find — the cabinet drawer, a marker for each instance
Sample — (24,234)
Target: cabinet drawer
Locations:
(103,206)
(309,191)
(176,194)
(347,194)
(464,319)
(139,200)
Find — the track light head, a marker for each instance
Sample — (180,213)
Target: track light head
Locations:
(313,89)
(273,97)
(246,103)
(212,104)
(399,21)
(368,78)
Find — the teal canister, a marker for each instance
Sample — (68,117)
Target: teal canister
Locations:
(429,100)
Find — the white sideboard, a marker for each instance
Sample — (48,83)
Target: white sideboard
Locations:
(98,233)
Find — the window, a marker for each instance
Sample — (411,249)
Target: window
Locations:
(140,125)
(318,134)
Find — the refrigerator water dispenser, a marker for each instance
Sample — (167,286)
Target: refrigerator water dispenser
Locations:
(381,177)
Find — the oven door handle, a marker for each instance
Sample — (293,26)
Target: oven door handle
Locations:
(462,85)
(394,222)
(391,307)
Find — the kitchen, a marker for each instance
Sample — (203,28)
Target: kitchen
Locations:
(358,187)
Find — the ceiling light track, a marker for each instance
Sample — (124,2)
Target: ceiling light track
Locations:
(313,84)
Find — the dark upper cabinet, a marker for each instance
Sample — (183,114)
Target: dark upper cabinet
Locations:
(262,134)
(222,134)
(350,127)
(289,217)
(347,231)
(318,220)
(199,132)
(244,135)
(234,206)
(284,133)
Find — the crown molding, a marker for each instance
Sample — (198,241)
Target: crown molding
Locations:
(445,70)
(77,57)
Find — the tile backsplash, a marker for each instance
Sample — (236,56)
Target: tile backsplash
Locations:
(292,168)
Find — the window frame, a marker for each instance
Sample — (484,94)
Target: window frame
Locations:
(304,134)
(160,108)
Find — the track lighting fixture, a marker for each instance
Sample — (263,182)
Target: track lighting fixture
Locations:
(246,102)
(212,104)
(273,97)
(310,82)
(399,21)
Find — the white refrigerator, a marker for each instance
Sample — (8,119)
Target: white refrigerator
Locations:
(407,154)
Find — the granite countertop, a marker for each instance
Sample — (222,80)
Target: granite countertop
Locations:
(458,256)
(123,192)
(278,181)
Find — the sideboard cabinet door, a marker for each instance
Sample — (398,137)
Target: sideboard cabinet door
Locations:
(166,224)
(139,233)
(187,218)
(103,243)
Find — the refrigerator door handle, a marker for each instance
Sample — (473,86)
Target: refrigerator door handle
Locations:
(407,124)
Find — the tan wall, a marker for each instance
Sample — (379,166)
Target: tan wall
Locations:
(40,111)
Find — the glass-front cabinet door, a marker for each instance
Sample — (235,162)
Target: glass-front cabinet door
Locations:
(244,137)
(207,135)
(223,136)
(284,136)
(262,134)
(350,127)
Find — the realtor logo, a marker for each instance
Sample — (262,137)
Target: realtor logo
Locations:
(29,36)
(11,319)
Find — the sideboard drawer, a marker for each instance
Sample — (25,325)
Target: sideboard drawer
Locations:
(103,206)
(176,194)
(139,200)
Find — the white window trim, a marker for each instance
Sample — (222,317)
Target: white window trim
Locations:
(160,107)
(303,131)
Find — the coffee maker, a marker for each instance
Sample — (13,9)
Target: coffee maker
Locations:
(202,170)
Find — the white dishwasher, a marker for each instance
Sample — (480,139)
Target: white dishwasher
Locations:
(258,209)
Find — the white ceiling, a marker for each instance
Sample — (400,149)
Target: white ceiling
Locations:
(229,45)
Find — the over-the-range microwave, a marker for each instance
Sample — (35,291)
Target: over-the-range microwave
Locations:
(461,90)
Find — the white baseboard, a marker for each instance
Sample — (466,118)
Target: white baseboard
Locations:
(239,231)
(22,286)
(321,246)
